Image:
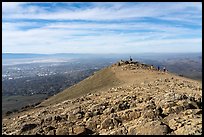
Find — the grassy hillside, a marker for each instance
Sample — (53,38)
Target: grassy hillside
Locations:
(11,103)
(101,80)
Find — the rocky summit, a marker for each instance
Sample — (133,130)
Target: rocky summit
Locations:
(140,101)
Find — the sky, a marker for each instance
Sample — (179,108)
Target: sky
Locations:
(101,27)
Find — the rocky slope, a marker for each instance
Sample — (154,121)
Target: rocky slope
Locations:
(146,102)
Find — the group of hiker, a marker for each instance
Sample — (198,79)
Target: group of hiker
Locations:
(164,69)
(158,68)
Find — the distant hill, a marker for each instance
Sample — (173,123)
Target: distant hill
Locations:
(57,55)
(21,55)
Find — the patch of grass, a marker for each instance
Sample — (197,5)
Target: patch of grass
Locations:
(101,80)
(15,103)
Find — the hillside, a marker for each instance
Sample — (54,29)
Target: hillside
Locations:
(126,98)
(101,80)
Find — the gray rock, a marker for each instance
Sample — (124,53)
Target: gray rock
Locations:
(88,114)
(123,105)
(152,128)
(132,130)
(57,118)
(134,115)
(48,118)
(77,110)
(79,116)
(107,123)
(51,132)
(108,111)
(91,124)
(80,130)
(62,131)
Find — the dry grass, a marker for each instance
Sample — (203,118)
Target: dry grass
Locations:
(107,78)
(101,80)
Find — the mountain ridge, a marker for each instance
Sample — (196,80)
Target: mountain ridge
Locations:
(137,99)
(103,79)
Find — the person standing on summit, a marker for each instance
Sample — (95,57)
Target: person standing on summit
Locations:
(130,58)
(164,69)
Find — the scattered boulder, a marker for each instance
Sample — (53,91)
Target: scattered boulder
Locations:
(132,130)
(77,110)
(151,114)
(118,131)
(88,114)
(152,128)
(79,116)
(79,130)
(91,124)
(134,115)
(52,132)
(62,131)
(109,111)
(98,109)
(48,118)
(57,118)
(123,105)
(108,122)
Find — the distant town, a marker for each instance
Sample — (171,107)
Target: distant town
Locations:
(45,78)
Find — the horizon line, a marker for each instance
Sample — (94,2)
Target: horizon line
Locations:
(99,53)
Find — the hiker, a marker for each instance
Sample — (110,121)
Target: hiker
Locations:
(130,58)
(118,63)
(164,69)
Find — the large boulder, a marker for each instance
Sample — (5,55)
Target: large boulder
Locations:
(111,122)
(152,128)
(62,131)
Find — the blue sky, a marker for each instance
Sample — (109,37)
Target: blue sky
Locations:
(101,27)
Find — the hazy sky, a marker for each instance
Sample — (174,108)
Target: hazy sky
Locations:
(94,27)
